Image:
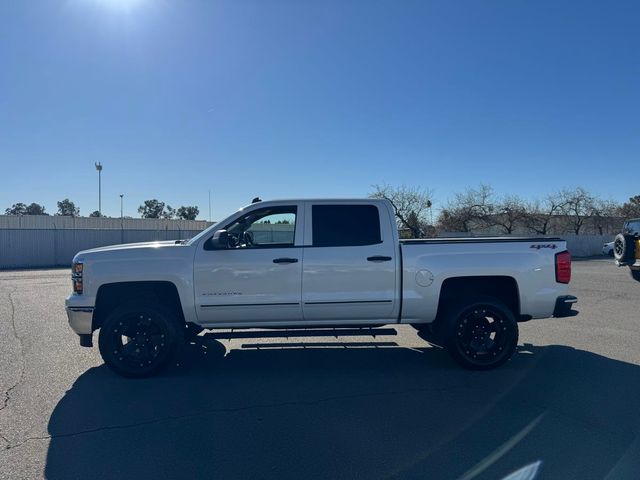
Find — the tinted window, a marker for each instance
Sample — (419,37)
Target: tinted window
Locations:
(345,225)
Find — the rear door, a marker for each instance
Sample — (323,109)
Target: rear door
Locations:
(349,267)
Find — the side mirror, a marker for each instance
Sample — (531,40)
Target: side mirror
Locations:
(219,241)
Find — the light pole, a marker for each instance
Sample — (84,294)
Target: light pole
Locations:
(99,169)
(121,196)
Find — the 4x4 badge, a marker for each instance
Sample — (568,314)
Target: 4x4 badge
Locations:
(545,245)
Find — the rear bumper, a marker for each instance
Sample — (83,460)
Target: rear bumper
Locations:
(563,306)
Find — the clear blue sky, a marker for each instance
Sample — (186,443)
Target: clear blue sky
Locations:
(314,98)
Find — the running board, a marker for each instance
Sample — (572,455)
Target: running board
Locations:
(297,333)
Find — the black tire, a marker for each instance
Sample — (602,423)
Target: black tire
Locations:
(191,330)
(635,274)
(138,340)
(480,333)
(624,248)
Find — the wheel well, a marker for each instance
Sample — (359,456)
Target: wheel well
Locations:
(112,295)
(503,288)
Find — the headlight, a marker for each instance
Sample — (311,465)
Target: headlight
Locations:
(76,278)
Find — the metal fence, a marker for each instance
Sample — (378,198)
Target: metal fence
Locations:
(100,223)
(30,248)
(50,241)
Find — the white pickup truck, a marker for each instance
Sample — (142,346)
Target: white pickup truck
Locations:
(315,263)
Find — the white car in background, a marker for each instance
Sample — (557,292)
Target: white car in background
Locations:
(607,249)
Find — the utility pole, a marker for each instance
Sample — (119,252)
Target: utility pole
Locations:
(209,205)
(121,196)
(99,169)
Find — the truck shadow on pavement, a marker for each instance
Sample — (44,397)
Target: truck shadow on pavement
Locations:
(375,412)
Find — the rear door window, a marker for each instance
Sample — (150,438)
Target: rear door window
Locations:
(345,225)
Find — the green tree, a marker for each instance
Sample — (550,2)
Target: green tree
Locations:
(23,209)
(151,209)
(66,208)
(168,212)
(95,213)
(16,209)
(188,213)
(156,209)
(36,209)
(631,209)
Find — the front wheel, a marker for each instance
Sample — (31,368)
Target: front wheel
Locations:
(481,333)
(139,340)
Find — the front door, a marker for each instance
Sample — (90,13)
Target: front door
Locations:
(258,277)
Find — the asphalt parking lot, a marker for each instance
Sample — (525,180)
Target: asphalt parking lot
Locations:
(323,407)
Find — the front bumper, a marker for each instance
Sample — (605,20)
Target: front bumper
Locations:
(563,306)
(80,314)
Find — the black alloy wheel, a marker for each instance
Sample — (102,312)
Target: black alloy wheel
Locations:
(482,334)
(137,341)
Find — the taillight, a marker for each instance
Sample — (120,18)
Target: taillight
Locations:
(563,267)
(76,278)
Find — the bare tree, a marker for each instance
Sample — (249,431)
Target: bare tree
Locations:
(578,206)
(539,215)
(605,216)
(410,205)
(509,213)
(468,210)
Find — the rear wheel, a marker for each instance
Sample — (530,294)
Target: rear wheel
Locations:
(635,274)
(139,340)
(481,333)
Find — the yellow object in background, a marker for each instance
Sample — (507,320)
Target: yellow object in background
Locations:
(637,249)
